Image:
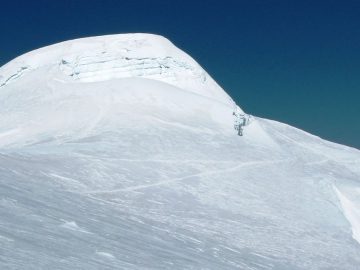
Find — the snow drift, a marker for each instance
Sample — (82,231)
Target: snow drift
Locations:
(119,152)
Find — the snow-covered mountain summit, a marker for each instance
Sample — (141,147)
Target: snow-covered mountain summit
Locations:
(141,71)
(119,152)
(116,56)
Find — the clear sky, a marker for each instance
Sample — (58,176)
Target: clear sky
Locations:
(297,62)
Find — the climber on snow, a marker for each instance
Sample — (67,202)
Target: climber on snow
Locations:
(240,120)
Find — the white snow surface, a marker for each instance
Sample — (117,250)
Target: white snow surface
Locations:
(119,152)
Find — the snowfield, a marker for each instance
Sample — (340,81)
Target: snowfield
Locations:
(119,152)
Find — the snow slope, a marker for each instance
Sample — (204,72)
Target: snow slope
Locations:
(119,152)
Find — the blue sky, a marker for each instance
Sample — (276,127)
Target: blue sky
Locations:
(293,61)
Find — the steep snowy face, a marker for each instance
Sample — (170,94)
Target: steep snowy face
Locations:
(119,152)
(117,56)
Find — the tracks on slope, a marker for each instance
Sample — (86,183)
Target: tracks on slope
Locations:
(178,179)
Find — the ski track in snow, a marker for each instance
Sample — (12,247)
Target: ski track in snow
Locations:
(251,163)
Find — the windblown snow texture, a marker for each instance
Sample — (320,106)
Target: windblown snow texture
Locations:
(119,152)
